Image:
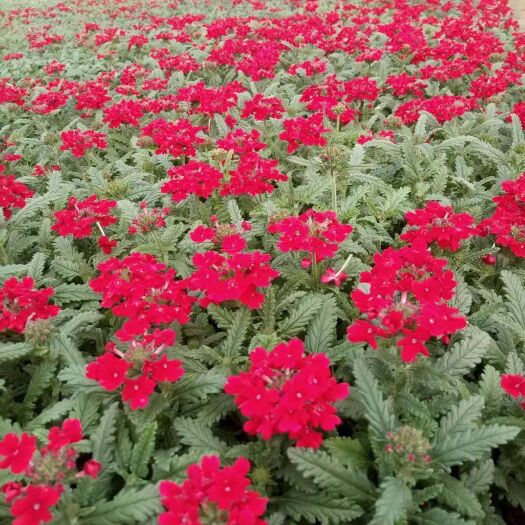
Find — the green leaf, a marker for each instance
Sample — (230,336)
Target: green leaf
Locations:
(198,436)
(458,497)
(52,413)
(348,451)
(378,411)
(301,314)
(71,293)
(131,507)
(143,450)
(439,516)
(471,444)
(460,417)
(317,508)
(490,389)
(330,475)
(63,348)
(465,355)
(12,351)
(393,503)
(103,438)
(480,477)
(515,294)
(321,332)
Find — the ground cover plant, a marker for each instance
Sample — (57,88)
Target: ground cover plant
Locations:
(262,262)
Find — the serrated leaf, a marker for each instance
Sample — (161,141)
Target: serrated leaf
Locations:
(466,354)
(460,417)
(471,444)
(393,502)
(378,411)
(321,332)
(103,437)
(198,436)
(330,475)
(130,507)
(143,450)
(12,351)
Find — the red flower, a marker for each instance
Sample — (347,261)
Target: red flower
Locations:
(317,233)
(143,291)
(138,391)
(33,508)
(193,178)
(225,236)
(49,102)
(285,391)
(209,488)
(60,437)
(13,194)
(80,141)
(108,370)
(17,452)
(176,138)
(439,224)
(263,108)
(241,142)
(407,295)
(519,111)
(304,130)
(79,217)
(253,176)
(106,244)
(123,112)
(233,277)
(92,468)
(20,302)
(507,222)
(513,384)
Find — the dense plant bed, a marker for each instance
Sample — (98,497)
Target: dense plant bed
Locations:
(262,263)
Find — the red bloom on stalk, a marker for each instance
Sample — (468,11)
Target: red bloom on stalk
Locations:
(236,277)
(80,141)
(439,224)
(263,108)
(443,107)
(45,470)
(317,233)
(49,101)
(21,302)
(13,194)
(17,452)
(519,111)
(253,176)
(408,294)
(211,489)
(33,507)
(193,178)
(176,138)
(225,236)
(304,130)
(287,392)
(79,217)
(507,222)
(241,142)
(123,112)
(140,366)
(108,370)
(143,291)
(513,384)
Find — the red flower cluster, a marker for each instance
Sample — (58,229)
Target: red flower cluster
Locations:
(286,392)
(318,233)
(13,194)
(176,138)
(193,178)
(263,108)
(519,110)
(20,302)
(507,222)
(140,368)
(253,176)
(304,130)
(142,290)
(225,236)
(514,385)
(79,217)
(443,107)
(123,112)
(212,493)
(407,295)
(439,224)
(80,141)
(235,277)
(45,470)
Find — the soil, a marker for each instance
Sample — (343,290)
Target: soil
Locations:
(519,10)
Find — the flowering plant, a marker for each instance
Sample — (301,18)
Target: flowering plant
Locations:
(262,262)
